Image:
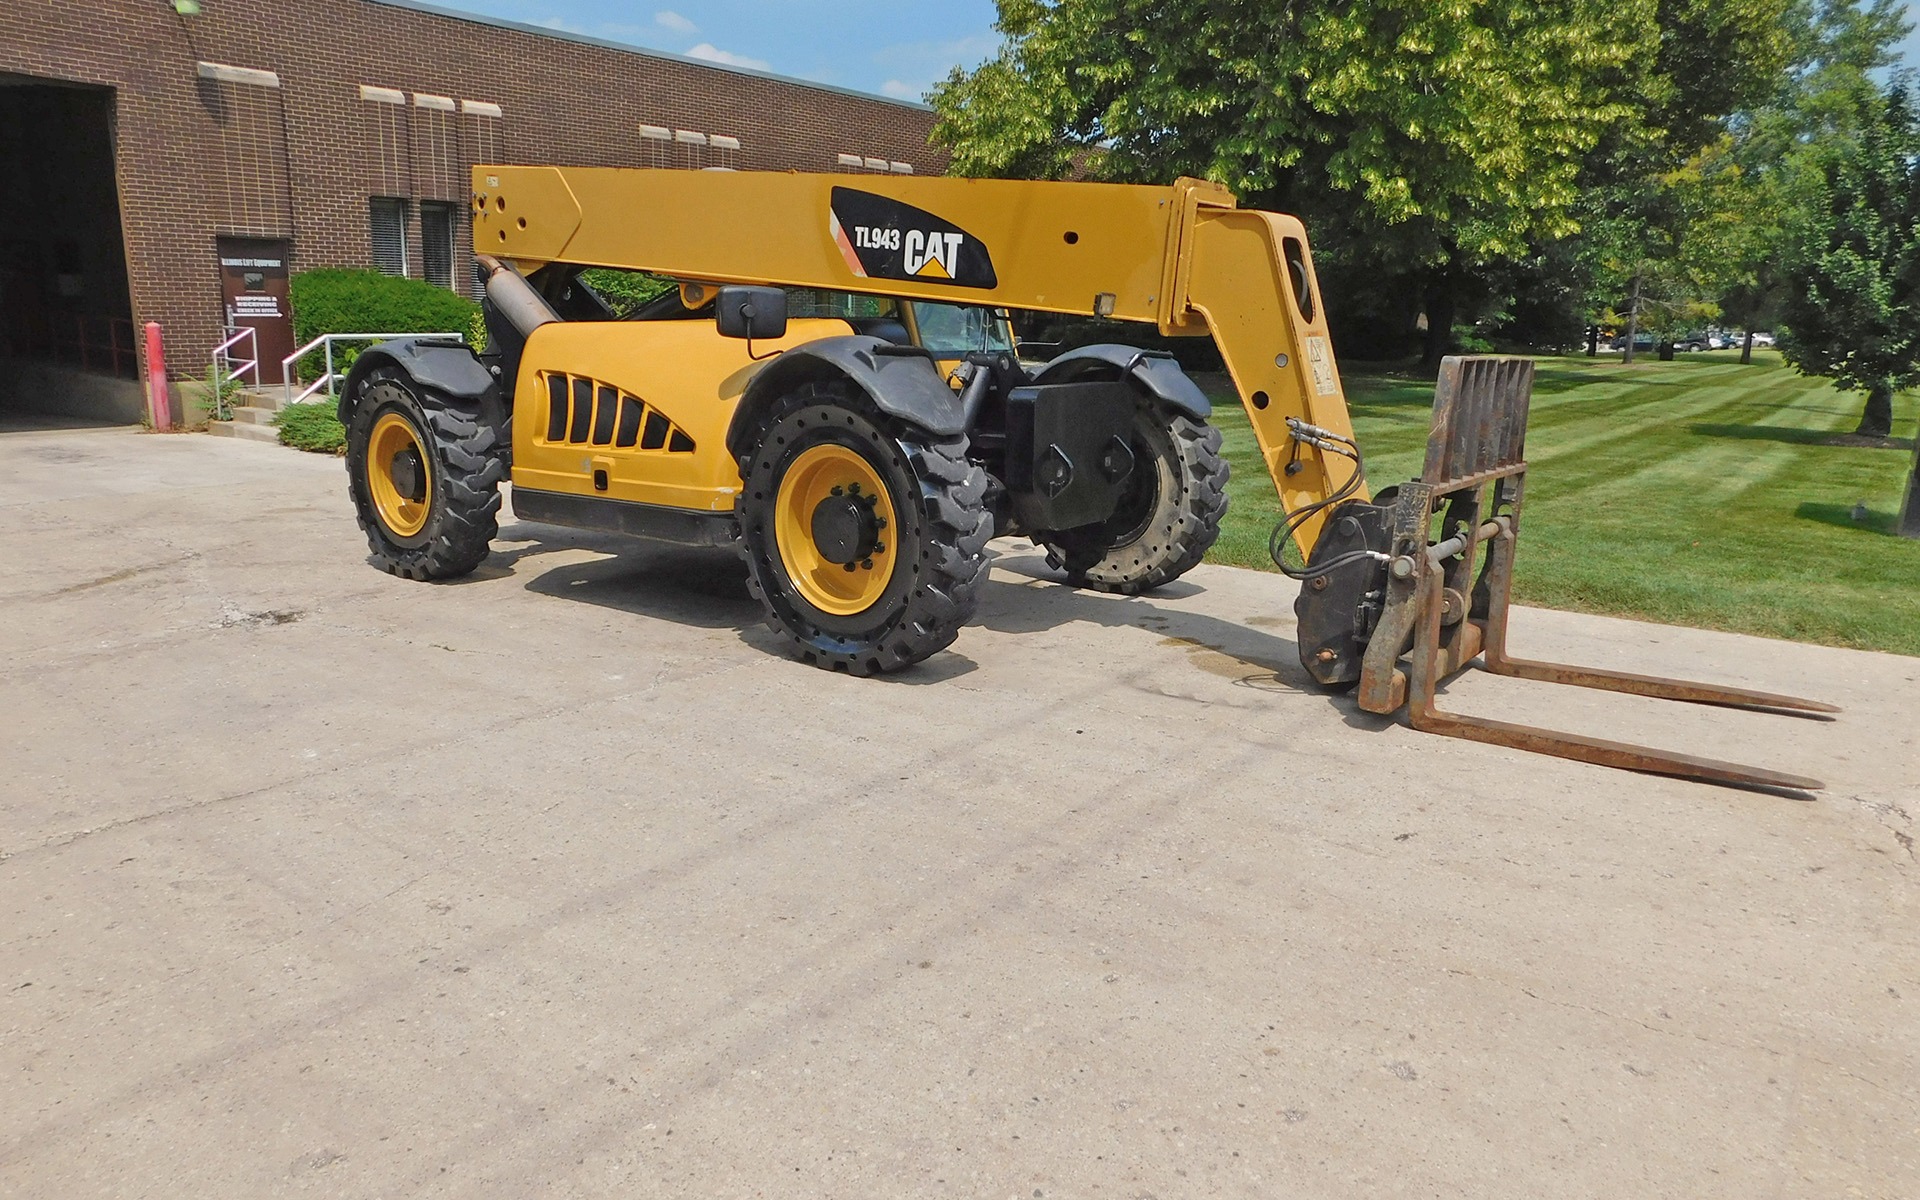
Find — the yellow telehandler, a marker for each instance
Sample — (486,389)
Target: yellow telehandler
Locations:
(833,389)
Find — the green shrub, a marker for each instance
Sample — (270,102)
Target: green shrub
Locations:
(344,301)
(626,291)
(314,427)
(220,389)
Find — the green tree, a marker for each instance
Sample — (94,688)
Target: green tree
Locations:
(1428,141)
(1445,134)
(1670,244)
(1828,94)
(1851,310)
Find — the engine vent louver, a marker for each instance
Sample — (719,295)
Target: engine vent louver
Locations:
(586,412)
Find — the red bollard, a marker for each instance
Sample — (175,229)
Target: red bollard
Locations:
(157,380)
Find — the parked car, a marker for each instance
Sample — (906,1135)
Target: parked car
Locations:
(1692,342)
(1763,339)
(1642,342)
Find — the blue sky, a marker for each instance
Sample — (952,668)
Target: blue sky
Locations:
(891,47)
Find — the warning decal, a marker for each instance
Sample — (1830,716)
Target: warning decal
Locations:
(1320,362)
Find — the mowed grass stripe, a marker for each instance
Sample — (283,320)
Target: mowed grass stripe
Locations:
(1608,444)
(1694,492)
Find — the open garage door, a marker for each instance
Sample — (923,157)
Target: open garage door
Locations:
(67,342)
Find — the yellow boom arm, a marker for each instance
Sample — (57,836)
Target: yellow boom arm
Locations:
(1183,258)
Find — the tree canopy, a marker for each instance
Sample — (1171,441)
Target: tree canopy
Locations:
(1446,146)
(1454,127)
(1851,304)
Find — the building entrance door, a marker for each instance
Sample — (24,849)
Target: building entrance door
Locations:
(253,287)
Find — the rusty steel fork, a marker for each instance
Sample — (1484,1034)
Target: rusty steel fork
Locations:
(1436,611)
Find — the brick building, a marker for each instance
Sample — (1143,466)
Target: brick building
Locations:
(171,166)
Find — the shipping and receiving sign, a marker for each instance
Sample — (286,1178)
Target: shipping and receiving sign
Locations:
(882,238)
(255,305)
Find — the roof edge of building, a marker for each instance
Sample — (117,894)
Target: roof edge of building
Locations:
(567,35)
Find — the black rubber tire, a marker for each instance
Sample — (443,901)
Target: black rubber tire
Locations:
(1157,535)
(938,498)
(469,464)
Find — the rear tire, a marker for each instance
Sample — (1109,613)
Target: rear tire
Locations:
(832,484)
(425,478)
(1165,522)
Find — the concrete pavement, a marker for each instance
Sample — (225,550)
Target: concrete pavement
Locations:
(560,881)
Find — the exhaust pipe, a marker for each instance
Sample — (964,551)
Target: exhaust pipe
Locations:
(513,297)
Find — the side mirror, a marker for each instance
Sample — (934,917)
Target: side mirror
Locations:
(751,312)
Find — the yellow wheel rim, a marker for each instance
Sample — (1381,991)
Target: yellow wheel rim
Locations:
(395,452)
(840,477)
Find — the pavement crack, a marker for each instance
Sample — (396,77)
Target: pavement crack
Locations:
(1883,809)
(120,576)
(61,840)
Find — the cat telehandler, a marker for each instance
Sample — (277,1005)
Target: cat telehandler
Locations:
(832,388)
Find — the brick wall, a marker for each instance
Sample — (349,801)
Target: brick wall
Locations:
(200,158)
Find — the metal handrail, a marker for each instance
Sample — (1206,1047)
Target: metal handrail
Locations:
(241,333)
(238,334)
(328,377)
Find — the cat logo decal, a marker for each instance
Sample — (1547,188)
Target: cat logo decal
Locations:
(881,238)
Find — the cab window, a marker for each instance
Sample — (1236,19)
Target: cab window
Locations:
(844,306)
(955,329)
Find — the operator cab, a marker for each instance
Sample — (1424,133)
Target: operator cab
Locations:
(952,333)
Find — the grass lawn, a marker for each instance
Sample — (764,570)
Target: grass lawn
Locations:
(1696,492)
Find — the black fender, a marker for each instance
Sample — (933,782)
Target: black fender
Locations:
(450,369)
(1155,370)
(902,382)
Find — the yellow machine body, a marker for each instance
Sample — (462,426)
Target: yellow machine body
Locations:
(880,459)
(1184,258)
(605,384)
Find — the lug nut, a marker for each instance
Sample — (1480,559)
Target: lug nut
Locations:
(846,566)
(1325,656)
(836,490)
(866,564)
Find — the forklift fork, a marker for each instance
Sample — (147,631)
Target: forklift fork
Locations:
(1475,477)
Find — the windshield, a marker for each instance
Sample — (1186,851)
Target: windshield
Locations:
(960,328)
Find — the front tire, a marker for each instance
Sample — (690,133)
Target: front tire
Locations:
(865,538)
(424,477)
(1166,520)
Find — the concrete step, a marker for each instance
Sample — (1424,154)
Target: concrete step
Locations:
(255,415)
(271,399)
(245,430)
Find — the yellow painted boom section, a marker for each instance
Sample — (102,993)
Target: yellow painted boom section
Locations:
(1184,258)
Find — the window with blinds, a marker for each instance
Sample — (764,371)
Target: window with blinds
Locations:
(387,223)
(436,242)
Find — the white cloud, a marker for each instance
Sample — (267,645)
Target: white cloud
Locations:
(707,52)
(901,91)
(668,19)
